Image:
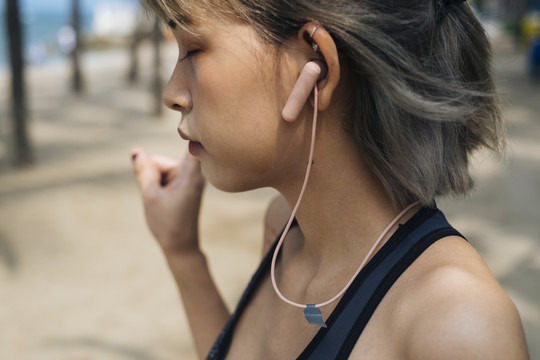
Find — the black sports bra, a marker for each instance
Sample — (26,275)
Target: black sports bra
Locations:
(349,318)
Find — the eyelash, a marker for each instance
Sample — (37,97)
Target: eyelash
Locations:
(189,54)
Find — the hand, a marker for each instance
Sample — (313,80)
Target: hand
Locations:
(171,192)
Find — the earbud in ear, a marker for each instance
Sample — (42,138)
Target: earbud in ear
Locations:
(312,72)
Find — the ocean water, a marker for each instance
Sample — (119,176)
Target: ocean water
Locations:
(40,30)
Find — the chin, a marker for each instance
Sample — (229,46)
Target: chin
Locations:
(233,187)
(232,184)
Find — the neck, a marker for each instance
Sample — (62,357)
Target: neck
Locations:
(343,212)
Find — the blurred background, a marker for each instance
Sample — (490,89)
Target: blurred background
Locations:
(80,275)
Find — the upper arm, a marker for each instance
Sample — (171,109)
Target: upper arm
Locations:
(277,214)
(470,319)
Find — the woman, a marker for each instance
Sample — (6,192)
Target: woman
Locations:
(401,93)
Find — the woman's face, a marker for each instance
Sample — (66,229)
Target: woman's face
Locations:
(226,88)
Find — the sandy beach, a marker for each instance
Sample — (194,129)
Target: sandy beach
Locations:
(81,277)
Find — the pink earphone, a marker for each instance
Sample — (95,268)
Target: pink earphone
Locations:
(313,72)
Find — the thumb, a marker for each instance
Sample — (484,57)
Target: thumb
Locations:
(146,171)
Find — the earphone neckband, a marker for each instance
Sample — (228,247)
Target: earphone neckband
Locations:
(312,312)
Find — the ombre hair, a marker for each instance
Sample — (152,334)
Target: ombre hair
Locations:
(422,97)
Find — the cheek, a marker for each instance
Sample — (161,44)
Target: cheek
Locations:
(238,100)
(238,117)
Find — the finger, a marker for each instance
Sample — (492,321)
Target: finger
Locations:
(167,167)
(165,163)
(188,164)
(147,173)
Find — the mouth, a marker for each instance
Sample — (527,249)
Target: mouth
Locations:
(195,147)
(184,136)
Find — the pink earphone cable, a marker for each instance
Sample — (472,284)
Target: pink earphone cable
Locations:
(293,214)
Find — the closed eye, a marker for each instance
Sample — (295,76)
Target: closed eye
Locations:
(189,54)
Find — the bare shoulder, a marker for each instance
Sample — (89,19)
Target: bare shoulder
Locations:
(277,214)
(446,305)
(458,310)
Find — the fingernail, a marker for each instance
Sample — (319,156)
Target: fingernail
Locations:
(134,155)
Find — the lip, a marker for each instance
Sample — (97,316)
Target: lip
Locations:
(194,147)
(184,136)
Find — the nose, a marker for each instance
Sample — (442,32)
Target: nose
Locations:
(176,96)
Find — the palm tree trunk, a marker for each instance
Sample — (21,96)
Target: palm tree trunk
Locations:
(133,73)
(158,83)
(75,54)
(23,152)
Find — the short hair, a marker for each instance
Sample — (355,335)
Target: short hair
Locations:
(422,95)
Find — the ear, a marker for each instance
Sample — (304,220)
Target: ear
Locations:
(325,47)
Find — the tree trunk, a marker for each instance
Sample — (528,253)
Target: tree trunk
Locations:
(133,74)
(158,85)
(23,153)
(75,54)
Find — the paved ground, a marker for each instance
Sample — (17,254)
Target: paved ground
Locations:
(80,276)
